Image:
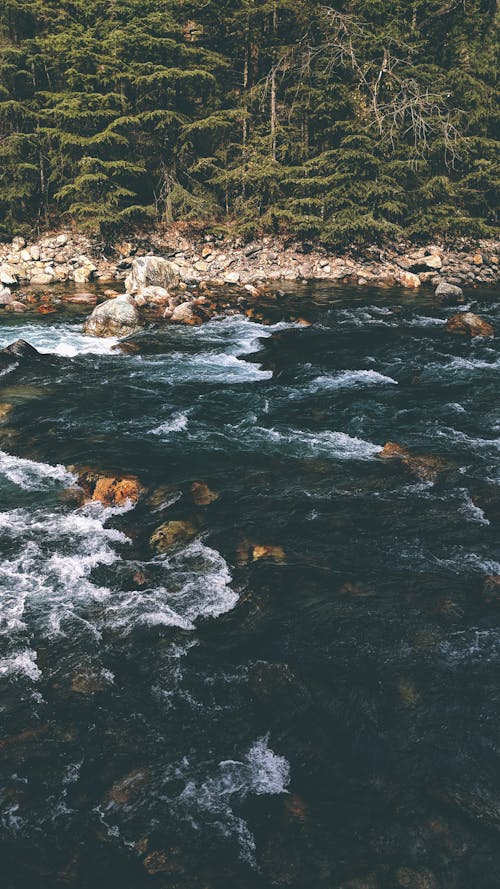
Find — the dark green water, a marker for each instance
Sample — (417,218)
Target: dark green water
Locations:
(206,720)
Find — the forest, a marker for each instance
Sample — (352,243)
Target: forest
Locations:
(356,121)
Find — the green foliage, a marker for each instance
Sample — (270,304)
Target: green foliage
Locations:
(361,121)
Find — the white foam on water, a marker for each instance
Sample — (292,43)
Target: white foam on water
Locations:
(32,475)
(22,663)
(191,583)
(177,422)
(424,321)
(261,771)
(472,512)
(338,445)
(58,338)
(351,379)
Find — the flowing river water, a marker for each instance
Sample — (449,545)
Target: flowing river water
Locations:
(323,716)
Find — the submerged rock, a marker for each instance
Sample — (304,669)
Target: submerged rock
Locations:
(110,490)
(276,553)
(425,467)
(468,323)
(116,317)
(171,534)
(202,494)
(153,271)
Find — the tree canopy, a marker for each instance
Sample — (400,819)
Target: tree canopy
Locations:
(362,119)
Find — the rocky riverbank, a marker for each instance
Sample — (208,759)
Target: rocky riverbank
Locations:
(66,256)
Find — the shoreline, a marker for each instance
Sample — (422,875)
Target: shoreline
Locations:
(64,256)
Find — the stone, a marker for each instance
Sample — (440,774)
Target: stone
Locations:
(276,553)
(201,266)
(468,323)
(171,534)
(46,309)
(115,317)
(202,494)
(18,243)
(477,259)
(34,252)
(409,280)
(433,261)
(8,275)
(41,278)
(151,271)
(425,467)
(5,296)
(156,295)
(491,589)
(445,291)
(83,299)
(26,255)
(185,314)
(127,788)
(111,490)
(61,240)
(82,275)
(232,277)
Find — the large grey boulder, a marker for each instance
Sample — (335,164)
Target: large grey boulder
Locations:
(115,317)
(151,271)
(449,292)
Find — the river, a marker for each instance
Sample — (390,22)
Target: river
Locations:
(306,693)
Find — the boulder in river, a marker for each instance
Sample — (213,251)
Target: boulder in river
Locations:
(171,534)
(468,323)
(202,494)
(151,271)
(185,314)
(5,296)
(425,467)
(111,490)
(115,317)
(447,293)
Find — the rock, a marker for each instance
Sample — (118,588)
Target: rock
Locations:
(111,294)
(16,306)
(426,467)
(8,275)
(20,349)
(408,878)
(83,274)
(41,278)
(155,295)
(468,323)
(116,317)
(127,788)
(202,494)
(477,259)
(34,252)
(151,271)
(82,299)
(18,243)
(409,279)
(61,240)
(111,490)
(185,314)
(170,534)
(433,261)
(5,296)
(232,277)
(447,292)
(276,553)
(5,410)
(491,589)
(88,683)
(45,309)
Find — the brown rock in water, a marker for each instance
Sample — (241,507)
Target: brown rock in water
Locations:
(127,788)
(185,314)
(45,309)
(468,323)
(5,409)
(171,534)
(87,683)
(491,589)
(202,494)
(409,279)
(426,467)
(109,489)
(276,553)
(408,878)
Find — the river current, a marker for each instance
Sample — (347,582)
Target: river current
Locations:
(304,695)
